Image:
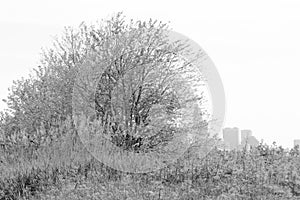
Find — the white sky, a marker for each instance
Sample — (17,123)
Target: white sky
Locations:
(254,44)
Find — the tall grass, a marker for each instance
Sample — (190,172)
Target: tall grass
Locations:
(64,169)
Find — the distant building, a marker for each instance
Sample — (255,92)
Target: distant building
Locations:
(252,141)
(297,142)
(231,137)
(248,139)
(245,134)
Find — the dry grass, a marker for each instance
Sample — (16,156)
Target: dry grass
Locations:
(65,170)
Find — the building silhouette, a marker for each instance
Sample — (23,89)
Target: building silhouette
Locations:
(297,142)
(248,140)
(231,137)
(245,134)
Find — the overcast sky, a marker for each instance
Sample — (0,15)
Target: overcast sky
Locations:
(255,46)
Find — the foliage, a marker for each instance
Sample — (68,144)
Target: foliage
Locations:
(143,84)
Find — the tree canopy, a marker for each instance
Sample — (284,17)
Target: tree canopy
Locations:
(141,93)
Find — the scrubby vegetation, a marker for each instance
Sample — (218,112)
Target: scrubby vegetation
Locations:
(65,170)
